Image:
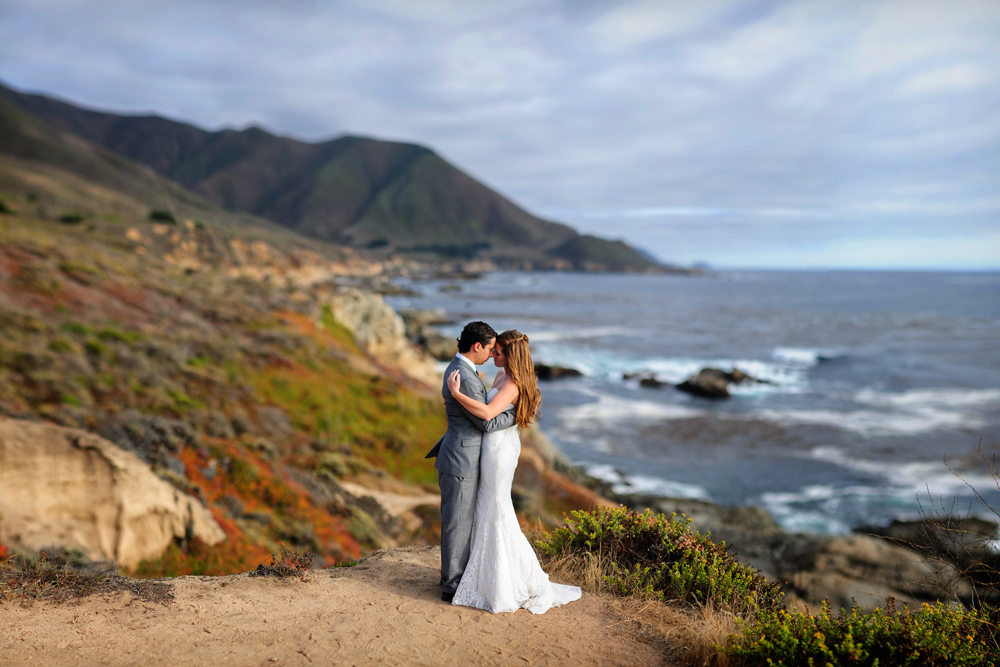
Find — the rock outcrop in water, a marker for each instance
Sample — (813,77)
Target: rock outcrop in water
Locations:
(546,372)
(62,486)
(714,383)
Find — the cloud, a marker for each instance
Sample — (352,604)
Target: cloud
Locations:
(730,131)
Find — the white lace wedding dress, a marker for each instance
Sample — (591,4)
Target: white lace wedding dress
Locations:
(503,573)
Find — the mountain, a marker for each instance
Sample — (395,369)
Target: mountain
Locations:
(55,174)
(357,191)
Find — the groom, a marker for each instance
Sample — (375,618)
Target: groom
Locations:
(457,453)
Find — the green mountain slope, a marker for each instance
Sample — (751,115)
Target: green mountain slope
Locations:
(57,174)
(351,190)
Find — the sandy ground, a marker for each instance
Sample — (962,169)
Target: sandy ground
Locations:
(384,611)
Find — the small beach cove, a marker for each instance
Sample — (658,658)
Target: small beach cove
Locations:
(386,610)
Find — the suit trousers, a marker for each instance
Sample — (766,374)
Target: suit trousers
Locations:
(458,508)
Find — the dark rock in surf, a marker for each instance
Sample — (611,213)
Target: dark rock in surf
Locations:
(714,383)
(708,383)
(646,379)
(546,372)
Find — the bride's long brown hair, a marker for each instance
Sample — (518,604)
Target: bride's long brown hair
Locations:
(521,370)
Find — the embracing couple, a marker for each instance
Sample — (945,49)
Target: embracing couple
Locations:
(486,561)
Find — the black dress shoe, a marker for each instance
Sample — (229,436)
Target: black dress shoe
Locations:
(447,597)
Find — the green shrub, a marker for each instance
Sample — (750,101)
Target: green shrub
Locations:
(77,328)
(4,208)
(659,556)
(95,347)
(930,636)
(128,337)
(163,216)
(339,331)
(72,218)
(183,402)
(60,344)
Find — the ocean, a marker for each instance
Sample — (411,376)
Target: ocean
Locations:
(877,382)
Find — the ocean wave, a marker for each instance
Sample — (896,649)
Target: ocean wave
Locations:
(904,491)
(907,413)
(611,367)
(612,409)
(936,398)
(908,478)
(624,484)
(803,356)
(579,333)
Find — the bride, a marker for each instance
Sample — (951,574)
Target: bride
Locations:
(503,573)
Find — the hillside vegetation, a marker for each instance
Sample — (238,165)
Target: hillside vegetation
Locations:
(203,355)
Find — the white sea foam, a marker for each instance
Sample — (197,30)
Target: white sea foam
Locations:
(622,483)
(612,409)
(935,398)
(797,356)
(609,366)
(907,413)
(909,489)
(907,479)
(579,333)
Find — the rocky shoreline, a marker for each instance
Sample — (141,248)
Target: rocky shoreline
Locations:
(864,568)
(203,436)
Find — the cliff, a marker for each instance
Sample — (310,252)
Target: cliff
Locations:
(243,376)
(71,488)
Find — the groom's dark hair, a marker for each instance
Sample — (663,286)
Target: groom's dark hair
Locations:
(475,332)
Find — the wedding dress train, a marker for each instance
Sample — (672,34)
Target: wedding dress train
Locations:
(503,573)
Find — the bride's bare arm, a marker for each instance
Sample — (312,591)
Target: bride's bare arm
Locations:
(486,411)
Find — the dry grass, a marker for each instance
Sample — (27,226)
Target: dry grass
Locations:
(55,577)
(687,634)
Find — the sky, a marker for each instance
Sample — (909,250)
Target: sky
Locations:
(769,134)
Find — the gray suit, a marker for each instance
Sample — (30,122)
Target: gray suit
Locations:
(457,464)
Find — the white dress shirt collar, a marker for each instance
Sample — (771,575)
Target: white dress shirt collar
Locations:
(461,358)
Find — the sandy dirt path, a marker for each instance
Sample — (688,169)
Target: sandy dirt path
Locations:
(384,611)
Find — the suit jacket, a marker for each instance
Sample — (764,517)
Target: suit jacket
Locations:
(458,449)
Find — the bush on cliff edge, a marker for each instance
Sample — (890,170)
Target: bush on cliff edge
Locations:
(734,617)
(657,556)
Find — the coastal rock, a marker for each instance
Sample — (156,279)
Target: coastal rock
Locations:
(416,320)
(963,543)
(420,329)
(812,568)
(437,345)
(63,486)
(714,383)
(963,537)
(380,331)
(546,372)
(846,568)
